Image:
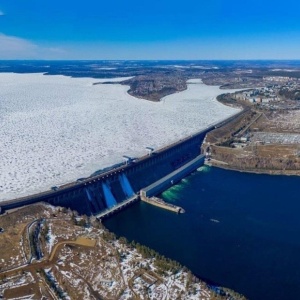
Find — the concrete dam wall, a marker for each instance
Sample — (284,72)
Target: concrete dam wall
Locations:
(97,193)
(100,192)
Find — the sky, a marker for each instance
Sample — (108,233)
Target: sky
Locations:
(156,29)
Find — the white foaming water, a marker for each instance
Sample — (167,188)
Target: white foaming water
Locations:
(55,129)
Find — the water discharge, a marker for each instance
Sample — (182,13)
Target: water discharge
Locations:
(88,194)
(126,186)
(109,197)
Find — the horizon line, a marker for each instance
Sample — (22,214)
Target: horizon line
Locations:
(98,59)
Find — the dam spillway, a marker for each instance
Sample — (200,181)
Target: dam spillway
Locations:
(126,186)
(109,197)
(97,193)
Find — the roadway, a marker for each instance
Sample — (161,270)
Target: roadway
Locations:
(117,207)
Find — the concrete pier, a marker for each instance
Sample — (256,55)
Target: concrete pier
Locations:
(162,204)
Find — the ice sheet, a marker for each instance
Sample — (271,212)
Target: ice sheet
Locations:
(55,129)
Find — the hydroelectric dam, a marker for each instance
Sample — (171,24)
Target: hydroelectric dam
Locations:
(102,194)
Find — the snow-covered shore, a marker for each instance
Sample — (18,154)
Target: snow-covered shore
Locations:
(55,129)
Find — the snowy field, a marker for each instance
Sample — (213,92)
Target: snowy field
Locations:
(56,129)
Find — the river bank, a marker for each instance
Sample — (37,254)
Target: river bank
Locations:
(259,141)
(225,166)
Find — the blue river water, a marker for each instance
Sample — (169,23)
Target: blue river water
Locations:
(240,230)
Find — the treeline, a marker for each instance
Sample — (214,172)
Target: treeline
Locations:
(82,221)
(162,263)
(52,284)
(34,241)
(108,236)
(45,232)
(292,95)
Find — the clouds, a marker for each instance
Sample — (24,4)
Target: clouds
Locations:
(13,47)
